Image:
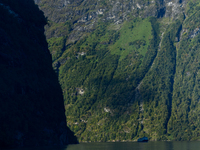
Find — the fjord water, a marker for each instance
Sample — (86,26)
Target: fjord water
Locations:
(137,146)
(128,146)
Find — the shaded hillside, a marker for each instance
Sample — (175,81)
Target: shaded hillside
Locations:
(128,69)
(31,101)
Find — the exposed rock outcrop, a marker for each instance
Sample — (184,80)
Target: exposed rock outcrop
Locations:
(85,14)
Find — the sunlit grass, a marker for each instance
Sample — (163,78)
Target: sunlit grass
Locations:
(130,32)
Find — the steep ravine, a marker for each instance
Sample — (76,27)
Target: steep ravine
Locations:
(175,40)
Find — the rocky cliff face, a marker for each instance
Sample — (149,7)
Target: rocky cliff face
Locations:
(128,68)
(85,14)
(31,102)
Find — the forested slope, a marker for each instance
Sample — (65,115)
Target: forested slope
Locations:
(127,68)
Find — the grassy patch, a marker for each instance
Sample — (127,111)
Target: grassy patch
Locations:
(134,36)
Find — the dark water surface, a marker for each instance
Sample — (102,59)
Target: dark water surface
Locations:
(127,146)
(137,146)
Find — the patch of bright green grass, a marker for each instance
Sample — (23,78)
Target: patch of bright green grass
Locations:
(134,36)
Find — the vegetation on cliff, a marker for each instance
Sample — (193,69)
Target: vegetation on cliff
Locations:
(127,68)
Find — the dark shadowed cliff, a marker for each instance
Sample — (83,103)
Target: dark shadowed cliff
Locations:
(31,103)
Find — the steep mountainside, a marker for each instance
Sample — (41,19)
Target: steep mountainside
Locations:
(128,68)
(31,101)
